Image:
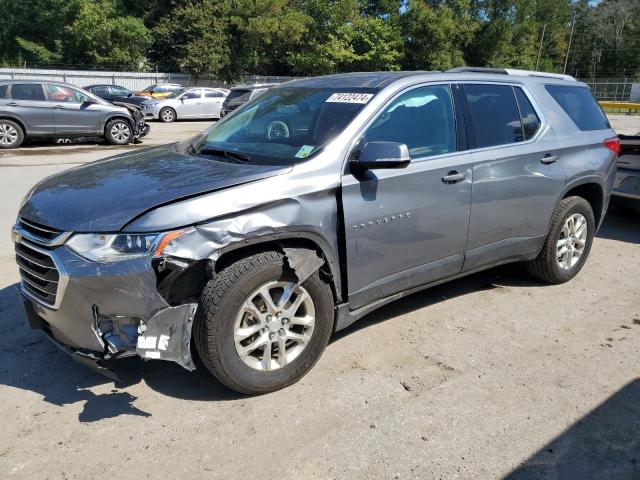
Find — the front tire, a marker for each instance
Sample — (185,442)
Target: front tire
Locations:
(568,243)
(11,134)
(256,330)
(167,115)
(118,132)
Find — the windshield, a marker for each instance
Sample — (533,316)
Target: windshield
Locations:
(284,125)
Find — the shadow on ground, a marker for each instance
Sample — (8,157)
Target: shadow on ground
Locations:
(605,444)
(622,224)
(28,361)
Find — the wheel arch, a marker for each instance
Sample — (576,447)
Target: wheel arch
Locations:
(592,189)
(197,274)
(116,116)
(15,120)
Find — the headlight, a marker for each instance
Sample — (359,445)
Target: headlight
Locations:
(105,248)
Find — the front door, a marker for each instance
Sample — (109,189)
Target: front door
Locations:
(212,103)
(408,227)
(191,104)
(73,112)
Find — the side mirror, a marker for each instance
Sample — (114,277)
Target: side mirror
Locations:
(381,155)
(89,101)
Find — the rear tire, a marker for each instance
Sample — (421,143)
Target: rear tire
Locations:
(118,132)
(222,314)
(567,247)
(167,115)
(11,134)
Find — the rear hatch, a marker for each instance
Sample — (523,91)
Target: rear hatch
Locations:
(629,152)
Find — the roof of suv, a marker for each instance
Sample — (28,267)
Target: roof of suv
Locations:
(383,79)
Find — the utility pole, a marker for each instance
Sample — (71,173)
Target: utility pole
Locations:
(544,28)
(566,59)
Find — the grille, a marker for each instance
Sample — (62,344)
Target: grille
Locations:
(40,232)
(39,274)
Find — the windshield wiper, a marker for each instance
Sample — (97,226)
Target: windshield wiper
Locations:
(224,153)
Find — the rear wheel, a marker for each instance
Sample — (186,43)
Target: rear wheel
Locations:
(118,132)
(568,243)
(257,330)
(167,115)
(11,134)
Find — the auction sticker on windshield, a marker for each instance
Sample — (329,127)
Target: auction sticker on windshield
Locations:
(304,151)
(350,98)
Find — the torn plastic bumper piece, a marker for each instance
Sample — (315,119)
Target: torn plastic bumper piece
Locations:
(167,335)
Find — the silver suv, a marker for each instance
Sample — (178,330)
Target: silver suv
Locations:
(306,209)
(30,109)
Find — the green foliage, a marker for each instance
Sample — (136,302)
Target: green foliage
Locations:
(437,34)
(192,37)
(96,35)
(232,38)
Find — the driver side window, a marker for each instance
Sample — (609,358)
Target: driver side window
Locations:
(422,119)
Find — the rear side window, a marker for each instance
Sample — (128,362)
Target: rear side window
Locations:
(495,115)
(4,90)
(27,91)
(212,94)
(580,105)
(529,117)
(100,91)
(239,96)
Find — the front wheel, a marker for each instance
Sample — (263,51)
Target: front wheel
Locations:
(118,132)
(167,115)
(256,330)
(568,243)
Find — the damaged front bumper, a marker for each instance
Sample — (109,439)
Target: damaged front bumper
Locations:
(101,312)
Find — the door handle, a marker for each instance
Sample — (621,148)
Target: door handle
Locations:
(548,159)
(58,107)
(12,104)
(453,177)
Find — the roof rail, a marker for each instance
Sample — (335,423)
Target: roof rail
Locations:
(511,71)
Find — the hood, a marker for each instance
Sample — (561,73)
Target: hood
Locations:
(104,196)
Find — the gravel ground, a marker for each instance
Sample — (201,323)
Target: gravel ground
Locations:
(491,376)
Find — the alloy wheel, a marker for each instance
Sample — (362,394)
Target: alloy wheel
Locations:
(8,134)
(167,115)
(121,132)
(572,241)
(274,325)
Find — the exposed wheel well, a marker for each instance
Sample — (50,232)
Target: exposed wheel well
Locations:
(15,120)
(592,193)
(192,280)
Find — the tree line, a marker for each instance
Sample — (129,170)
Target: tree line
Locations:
(232,38)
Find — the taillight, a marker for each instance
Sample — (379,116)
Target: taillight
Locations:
(613,144)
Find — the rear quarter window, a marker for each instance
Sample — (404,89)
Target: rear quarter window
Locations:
(4,90)
(579,104)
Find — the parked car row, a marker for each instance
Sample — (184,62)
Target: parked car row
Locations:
(33,109)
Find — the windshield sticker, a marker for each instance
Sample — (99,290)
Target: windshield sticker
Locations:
(350,98)
(304,151)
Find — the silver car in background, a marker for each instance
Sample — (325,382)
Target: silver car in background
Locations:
(193,103)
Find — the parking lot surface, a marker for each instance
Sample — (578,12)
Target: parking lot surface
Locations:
(491,376)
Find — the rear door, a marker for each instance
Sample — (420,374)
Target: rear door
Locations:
(72,112)
(27,102)
(407,227)
(517,173)
(212,103)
